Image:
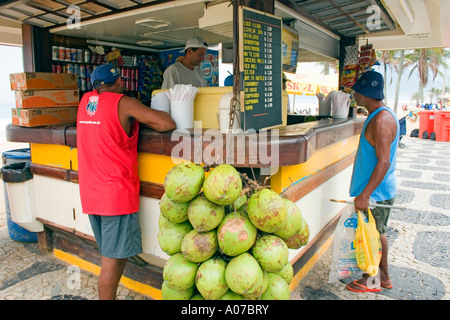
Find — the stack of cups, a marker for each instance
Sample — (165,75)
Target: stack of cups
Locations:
(182,105)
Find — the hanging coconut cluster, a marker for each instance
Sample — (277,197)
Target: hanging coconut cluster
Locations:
(228,236)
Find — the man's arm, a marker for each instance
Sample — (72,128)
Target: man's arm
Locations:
(155,119)
(380,134)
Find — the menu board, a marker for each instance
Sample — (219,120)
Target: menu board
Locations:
(260,67)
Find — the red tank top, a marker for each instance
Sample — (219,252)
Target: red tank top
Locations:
(107,157)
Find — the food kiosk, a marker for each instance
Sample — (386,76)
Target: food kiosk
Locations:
(313,159)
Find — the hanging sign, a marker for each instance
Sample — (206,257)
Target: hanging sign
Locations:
(260,67)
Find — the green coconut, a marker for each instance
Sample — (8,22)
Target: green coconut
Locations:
(277,288)
(203,214)
(223,185)
(179,272)
(199,246)
(243,274)
(236,234)
(255,295)
(287,273)
(299,239)
(170,235)
(172,294)
(163,222)
(197,296)
(210,279)
(240,202)
(176,212)
(293,220)
(266,210)
(271,252)
(183,182)
(230,295)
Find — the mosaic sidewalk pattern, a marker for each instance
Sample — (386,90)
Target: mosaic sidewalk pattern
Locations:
(419,238)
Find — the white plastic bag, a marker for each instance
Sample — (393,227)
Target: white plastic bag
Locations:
(343,263)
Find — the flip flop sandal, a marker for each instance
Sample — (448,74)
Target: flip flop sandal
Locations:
(387,286)
(363,288)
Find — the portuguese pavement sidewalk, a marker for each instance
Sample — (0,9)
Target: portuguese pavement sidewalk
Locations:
(419,243)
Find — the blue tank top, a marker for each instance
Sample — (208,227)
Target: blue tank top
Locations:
(366,161)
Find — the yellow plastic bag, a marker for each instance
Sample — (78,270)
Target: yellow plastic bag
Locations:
(367,245)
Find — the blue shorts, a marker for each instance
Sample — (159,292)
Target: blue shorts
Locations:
(117,237)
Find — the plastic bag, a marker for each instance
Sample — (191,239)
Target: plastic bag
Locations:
(343,263)
(367,244)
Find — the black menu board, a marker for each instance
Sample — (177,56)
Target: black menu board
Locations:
(260,67)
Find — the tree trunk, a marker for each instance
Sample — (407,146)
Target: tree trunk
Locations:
(400,72)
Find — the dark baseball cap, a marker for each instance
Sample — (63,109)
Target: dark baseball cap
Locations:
(370,84)
(104,74)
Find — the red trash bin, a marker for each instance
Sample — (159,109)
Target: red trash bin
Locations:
(442,126)
(426,124)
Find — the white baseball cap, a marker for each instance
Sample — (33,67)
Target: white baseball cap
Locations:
(195,43)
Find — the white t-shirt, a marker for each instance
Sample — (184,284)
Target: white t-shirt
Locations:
(177,73)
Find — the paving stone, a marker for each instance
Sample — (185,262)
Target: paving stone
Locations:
(408,174)
(428,218)
(429,168)
(433,247)
(425,185)
(440,200)
(441,177)
(404,196)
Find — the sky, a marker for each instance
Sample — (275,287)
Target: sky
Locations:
(10,62)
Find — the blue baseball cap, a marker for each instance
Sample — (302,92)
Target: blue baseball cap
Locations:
(370,84)
(105,74)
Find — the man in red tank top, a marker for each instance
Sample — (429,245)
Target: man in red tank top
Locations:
(107,138)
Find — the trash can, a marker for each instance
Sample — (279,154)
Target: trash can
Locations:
(426,124)
(442,126)
(16,157)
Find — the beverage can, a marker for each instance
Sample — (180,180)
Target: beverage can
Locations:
(82,71)
(73,54)
(62,53)
(76,69)
(79,55)
(68,53)
(83,85)
(69,68)
(87,56)
(55,52)
(88,71)
(58,68)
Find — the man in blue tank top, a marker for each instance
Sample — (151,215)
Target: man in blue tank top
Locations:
(373,171)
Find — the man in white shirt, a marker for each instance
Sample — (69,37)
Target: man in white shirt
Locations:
(187,70)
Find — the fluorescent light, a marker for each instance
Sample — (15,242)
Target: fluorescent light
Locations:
(407,9)
(150,42)
(120,45)
(154,23)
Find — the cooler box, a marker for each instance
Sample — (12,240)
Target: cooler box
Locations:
(426,124)
(442,126)
(206,105)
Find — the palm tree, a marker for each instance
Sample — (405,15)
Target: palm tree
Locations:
(388,60)
(423,60)
(435,92)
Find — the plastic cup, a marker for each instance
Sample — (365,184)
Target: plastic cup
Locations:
(182,113)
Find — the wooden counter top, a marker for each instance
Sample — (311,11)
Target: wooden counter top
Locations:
(296,143)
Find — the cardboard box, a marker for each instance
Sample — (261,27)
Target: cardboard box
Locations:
(46,98)
(33,117)
(43,80)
